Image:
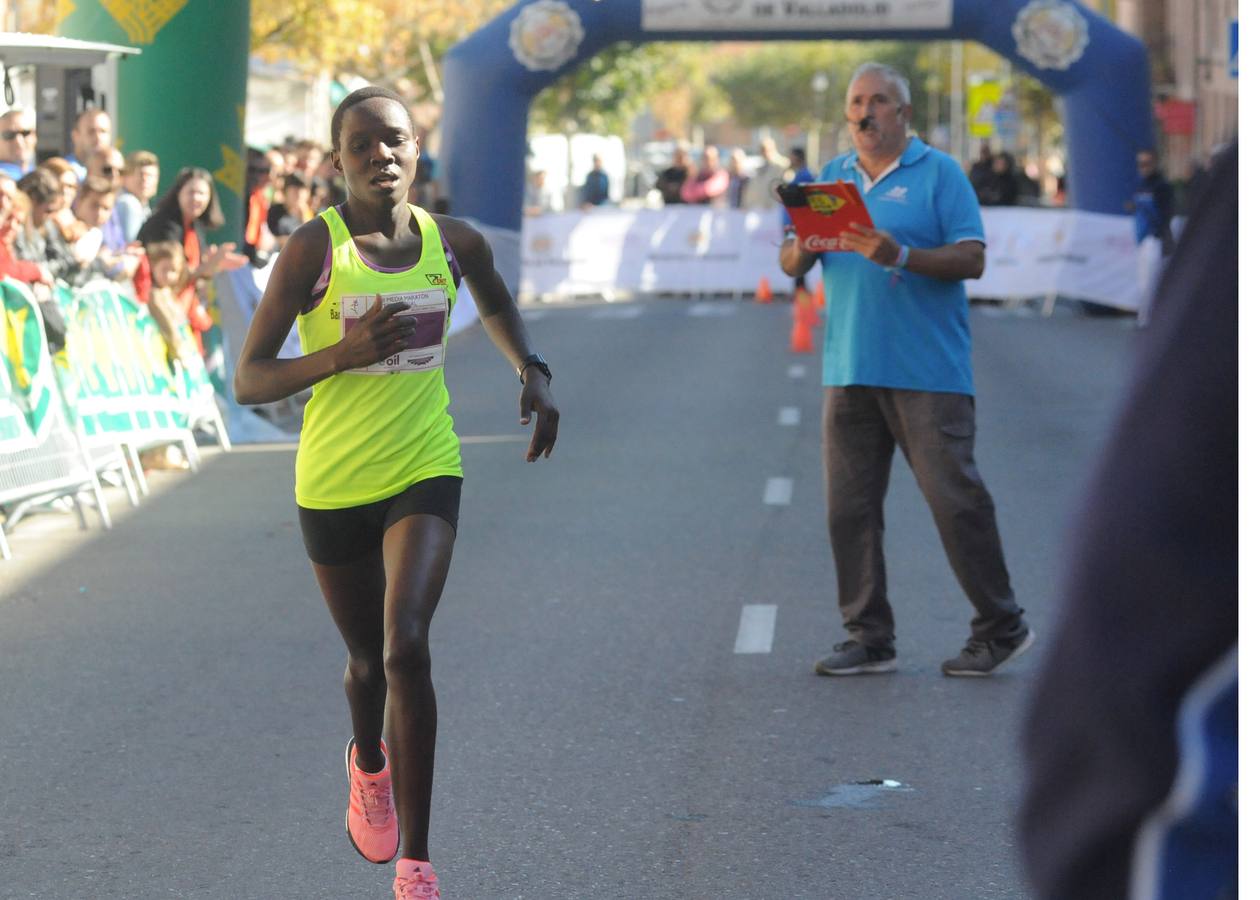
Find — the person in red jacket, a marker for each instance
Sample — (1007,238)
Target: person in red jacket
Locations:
(14,208)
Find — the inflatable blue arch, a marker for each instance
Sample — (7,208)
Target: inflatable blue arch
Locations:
(1098,71)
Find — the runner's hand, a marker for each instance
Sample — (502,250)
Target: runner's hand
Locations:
(536,398)
(377,336)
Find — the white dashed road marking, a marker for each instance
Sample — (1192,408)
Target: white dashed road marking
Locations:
(796,371)
(617,312)
(778,491)
(756,628)
(704,310)
(789,415)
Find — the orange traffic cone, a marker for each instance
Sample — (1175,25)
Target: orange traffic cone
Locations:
(820,296)
(802,340)
(805,310)
(764,294)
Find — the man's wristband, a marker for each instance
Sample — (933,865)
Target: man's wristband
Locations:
(902,257)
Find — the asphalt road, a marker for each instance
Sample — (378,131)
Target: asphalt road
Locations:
(171,714)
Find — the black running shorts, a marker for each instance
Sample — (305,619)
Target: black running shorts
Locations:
(334,537)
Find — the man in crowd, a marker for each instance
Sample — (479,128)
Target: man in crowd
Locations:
(708,184)
(1152,207)
(670,181)
(594,191)
(539,197)
(897,373)
(93,130)
(139,186)
(17,142)
(107,163)
(759,192)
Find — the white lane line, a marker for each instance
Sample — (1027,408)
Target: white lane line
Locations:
(756,628)
(778,491)
(789,415)
(617,312)
(533,315)
(796,371)
(705,309)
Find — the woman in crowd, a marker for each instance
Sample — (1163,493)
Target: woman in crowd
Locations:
(186,211)
(378,468)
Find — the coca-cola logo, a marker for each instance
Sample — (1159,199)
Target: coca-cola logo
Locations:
(816,243)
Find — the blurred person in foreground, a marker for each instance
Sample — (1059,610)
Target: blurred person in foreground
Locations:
(93,130)
(897,374)
(17,142)
(1131,740)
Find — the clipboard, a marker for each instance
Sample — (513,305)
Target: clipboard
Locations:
(821,210)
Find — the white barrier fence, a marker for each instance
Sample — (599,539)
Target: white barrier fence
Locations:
(1032,253)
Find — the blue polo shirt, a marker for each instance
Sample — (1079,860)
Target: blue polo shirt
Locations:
(902,330)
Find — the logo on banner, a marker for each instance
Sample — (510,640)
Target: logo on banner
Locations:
(545,35)
(1050,34)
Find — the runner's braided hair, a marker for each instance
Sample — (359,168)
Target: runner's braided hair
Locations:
(356,97)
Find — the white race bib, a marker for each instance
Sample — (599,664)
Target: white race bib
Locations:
(425,350)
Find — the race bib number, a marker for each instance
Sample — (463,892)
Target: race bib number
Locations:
(424,351)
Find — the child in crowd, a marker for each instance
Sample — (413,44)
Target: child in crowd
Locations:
(170,275)
(169,268)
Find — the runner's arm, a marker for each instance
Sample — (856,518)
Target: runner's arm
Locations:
(502,322)
(260,376)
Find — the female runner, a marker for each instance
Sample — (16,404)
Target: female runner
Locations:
(370,284)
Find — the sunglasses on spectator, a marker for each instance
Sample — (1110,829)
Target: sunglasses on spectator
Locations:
(12,135)
(110,170)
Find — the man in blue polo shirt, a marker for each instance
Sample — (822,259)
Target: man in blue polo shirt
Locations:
(897,373)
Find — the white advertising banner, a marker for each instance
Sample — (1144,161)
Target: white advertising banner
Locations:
(796,15)
(699,250)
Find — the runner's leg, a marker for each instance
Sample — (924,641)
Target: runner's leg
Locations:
(355,594)
(417,555)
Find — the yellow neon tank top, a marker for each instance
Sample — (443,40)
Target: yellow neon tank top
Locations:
(368,435)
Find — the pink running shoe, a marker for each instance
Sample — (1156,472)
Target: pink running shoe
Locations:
(371,823)
(415,879)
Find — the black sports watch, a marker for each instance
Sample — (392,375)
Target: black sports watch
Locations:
(538,362)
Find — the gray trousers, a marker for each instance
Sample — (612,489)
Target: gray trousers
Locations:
(862,426)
